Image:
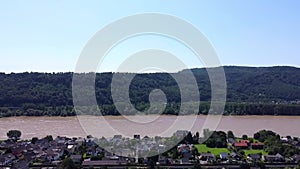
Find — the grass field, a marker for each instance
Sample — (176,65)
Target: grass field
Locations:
(202,148)
(255,152)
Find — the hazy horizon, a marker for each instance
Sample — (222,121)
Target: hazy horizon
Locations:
(250,66)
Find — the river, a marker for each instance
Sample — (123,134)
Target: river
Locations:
(145,125)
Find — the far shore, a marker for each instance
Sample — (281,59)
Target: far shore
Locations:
(149,115)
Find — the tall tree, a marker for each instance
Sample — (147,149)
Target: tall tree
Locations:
(230,134)
(68,163)
(14,134)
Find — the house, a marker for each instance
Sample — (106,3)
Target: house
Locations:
(296,158)
(224,156)
(245,141)
(76,158)
(58,162)
(137,136)
(184,148)
(241,145)
(184,161)
(207,157)
(79,141)
(254,157)
(90,143)
(181,133)
(52,155)
(21,164)
(163,160)
(274,158)
(60,140)
(31,147)
(43,144)
(29,155)
(6,145)
(231,141)
(2,160)
(89,164)
(7,159)
(186,158)
(103,140)
(257,146)
(114,157)
(146,138)
(235,156)
(296,143)
(161,148)
(118,136)
(71,148)
(284,139)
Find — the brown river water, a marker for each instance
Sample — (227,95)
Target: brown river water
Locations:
(108,126)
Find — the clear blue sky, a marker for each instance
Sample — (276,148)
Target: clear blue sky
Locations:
(49,35)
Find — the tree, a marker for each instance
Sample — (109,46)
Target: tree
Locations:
(175,153)
(210,143)
(217,139)
(230,134)
(189,138)
(244,137)
(262,135)
(273,145)
(49,138)
(251,140)
(245,165)
(241,152)
(197,165)
(67,163)
(196,138)
(195,151)
(34,140)
(256,135)
(152,161)
(197,135)
(14,134)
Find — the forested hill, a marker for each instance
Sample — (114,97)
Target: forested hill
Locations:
(262,84)
(250,90)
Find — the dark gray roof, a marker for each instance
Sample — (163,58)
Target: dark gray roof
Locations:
(103,162)
(254,156)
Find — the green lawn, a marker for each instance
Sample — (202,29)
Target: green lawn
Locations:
(202,148)
(255,152)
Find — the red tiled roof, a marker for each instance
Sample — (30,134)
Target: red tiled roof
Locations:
(244,141)
(240,144)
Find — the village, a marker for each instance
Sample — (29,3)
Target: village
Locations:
(215,149)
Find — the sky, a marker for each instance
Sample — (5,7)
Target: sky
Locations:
(49,35)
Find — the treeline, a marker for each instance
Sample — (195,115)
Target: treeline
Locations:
(174,109)
(250,90)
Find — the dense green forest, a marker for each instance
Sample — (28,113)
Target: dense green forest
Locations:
(250,90)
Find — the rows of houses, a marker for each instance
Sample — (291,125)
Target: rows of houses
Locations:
(42,151)
(248,145)
(89,151)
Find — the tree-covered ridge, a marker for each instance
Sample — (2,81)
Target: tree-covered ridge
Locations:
(250,90)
